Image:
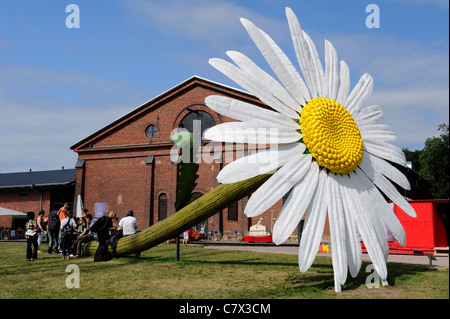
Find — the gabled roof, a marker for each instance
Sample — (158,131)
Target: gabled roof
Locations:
(37,179)
(161,98)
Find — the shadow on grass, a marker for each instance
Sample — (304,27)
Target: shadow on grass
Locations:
(321,276)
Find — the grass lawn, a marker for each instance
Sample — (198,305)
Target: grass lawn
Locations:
(203,274)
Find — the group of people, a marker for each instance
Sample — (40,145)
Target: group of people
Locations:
(66,234)
(109,230)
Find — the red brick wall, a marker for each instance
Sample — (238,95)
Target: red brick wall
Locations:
(11,200)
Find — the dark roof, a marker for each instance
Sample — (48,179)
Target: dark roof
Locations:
(37,179)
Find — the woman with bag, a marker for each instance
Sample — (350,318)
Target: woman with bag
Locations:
(42,227)
(67,234)
(31,236)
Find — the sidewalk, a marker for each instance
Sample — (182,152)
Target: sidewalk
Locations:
(293,250)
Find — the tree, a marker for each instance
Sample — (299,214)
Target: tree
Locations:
(434,163)
(413,157)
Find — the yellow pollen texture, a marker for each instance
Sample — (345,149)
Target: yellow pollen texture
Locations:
(331,135)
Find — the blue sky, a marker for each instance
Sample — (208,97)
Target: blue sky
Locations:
(59,85)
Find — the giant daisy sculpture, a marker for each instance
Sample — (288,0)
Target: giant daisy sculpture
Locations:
(330,153)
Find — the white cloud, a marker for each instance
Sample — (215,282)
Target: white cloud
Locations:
(414,112)
(211,22)
(44,112)
(441,3)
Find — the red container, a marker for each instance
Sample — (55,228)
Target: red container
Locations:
(426,232)
(259,239)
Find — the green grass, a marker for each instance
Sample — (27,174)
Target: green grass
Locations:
(204,274)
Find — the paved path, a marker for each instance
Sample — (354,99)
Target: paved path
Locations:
(293,250)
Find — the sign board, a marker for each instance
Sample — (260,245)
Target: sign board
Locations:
(100,210)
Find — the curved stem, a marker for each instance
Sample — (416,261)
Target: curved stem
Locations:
(204,207)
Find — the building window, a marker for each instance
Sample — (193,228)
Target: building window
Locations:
(233,212)
(195,196)
(151,131)
(162,207)
(23,195)
(197,122)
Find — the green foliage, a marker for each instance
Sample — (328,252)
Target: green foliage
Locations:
(413,156)
(434,163)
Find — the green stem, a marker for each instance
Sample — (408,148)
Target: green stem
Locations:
(204,207)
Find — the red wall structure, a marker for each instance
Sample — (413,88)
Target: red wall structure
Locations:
(428,232)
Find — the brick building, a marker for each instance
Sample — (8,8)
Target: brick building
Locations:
(34,191)
(131,164)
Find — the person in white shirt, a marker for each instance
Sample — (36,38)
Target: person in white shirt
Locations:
(128,226)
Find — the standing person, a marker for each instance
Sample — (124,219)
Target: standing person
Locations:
(31,236)
(42,226)
(185,237)
(53,231)
(63,211)
(102,227)
(128,226)
(62,214)
(67,229)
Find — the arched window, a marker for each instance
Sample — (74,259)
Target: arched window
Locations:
(195,196)
(162,207)
(197,122)
(204,224)
(233,211)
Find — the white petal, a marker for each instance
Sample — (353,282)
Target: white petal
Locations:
(369,236)
(336,220)
(295,206)
(344,83)
(279,62)
(369,115)
(247,112)
(319,76)
(365,227)
(353,245)
(367,207)
(252,133)
(384,211)
(386,151)
(387,188)
(278,185)
(302,51)
(314,224)
(384,168)
(251,84)
(359,94)
(259,163)
(331,70)
(376,132)
(264,79)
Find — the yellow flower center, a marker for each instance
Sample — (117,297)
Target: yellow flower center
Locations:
(331,135)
